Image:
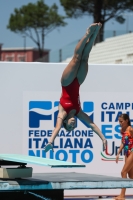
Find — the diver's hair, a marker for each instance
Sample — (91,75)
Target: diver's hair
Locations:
(64,125)
(126,117)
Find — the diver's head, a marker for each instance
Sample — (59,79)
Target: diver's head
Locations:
(69,124)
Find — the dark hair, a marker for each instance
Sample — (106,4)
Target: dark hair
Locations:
(64,125)
(126,117)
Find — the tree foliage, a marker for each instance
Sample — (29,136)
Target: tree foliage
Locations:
(101,10)
(36,21)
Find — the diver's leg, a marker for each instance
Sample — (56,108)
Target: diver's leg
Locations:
(71,70)
(83,69)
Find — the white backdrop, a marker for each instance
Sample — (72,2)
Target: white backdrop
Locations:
(29,98)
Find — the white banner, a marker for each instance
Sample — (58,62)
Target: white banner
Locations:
(81,145)
(30,94)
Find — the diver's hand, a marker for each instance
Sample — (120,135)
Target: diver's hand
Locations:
(104,144)
(117,158)
(48,147)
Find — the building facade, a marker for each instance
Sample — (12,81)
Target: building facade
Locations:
(23,55)
(0,50)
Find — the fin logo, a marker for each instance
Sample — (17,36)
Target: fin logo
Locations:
(88,108)
(43,110)
(39,110)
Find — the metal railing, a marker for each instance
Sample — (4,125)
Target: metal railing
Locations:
(60,55)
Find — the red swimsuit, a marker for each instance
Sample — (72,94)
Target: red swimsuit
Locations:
(70,97)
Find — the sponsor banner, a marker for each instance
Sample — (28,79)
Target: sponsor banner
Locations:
(81,145)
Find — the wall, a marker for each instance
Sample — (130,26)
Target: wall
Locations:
(107,91)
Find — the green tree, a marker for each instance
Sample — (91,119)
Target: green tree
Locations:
(36,21)
(101,10)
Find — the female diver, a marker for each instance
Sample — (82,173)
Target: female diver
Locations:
(73,76)
(127,145)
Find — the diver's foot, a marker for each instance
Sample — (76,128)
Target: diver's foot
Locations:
(91,29)
(98,27)
(96,31)
(99,24)
(48,147)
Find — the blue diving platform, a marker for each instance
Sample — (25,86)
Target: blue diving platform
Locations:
(51,186)
(38,161)
(73,180)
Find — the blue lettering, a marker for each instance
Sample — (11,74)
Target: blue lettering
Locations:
(104,106)
(105,131)
(36,133)
(37,140)
(117,116)
(51,154)
(78,143)
(119,106)
(86,155)
(83,155)
(127,105)
(57,156)
(62,133)
(68,134)
(49,133)
(72,133)
(31,153)
(117,129)
(102,116)
(111,106)
(88,143)
(110,113)
(30,143)
(43,133)
(90,133)
(84,133)
(106,151)
(74,155)
(77,133)
(45,141)
(30,132)
(68,143)
(61,142)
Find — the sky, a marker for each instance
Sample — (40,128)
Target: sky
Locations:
(58,38)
